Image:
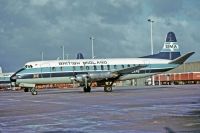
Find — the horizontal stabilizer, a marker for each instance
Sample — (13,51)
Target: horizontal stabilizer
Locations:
(129,69)
(182,59)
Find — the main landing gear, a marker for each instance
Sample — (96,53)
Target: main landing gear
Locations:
(32,90)
(108,87)
(87,89)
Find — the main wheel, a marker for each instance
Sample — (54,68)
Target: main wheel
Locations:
(107,88)
(26,89)
(87,89)
(34,93)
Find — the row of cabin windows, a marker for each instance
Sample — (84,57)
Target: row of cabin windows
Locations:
(102,67)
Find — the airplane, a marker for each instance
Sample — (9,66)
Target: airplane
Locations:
(5,79)
(102,71)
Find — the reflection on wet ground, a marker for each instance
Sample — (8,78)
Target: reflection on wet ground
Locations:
(141,110)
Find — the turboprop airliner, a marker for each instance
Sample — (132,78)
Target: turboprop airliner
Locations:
(102,71)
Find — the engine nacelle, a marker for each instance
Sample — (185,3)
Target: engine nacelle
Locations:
(81,78)
(94,77)
(101,76)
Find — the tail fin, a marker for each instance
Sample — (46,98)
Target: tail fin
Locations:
(79,56)
(182,59)
(170,49)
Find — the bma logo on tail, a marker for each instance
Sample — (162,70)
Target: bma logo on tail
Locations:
(170,44)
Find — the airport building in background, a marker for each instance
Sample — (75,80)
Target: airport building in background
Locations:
(187,73)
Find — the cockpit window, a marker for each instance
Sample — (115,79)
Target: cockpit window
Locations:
(28,66)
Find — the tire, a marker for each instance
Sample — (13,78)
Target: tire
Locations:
(107,88)
(88,89)
(34,93)
(26,89)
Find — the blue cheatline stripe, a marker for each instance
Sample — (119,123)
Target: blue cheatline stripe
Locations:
(5,82)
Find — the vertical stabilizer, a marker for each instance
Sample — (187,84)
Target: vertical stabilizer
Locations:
(170,44)
(170,49)
(79,56)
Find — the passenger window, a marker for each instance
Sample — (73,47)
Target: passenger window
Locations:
(74,68)
(87,67)
(128,65)
(53,69)
(115,66)
(122,66)
(108,66)
(102,67)
(61,68)
(95,67)
(81,67)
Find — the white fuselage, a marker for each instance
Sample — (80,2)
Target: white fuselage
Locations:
(64,71)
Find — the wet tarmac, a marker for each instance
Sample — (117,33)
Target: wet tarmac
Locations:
(165,109)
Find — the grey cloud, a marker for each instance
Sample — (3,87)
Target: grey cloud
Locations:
(119,27)
(166,8)
(122,14)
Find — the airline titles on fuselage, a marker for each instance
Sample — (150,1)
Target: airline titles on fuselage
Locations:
(78,63)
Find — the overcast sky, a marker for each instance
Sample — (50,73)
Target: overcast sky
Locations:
(120,28)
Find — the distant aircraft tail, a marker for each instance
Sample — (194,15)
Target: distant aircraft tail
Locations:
(79,56)
(170,49)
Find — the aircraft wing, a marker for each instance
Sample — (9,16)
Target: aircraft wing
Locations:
(128,70)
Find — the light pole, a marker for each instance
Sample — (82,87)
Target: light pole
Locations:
(42,55)
(92,39)
(151,22)
(63,51)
